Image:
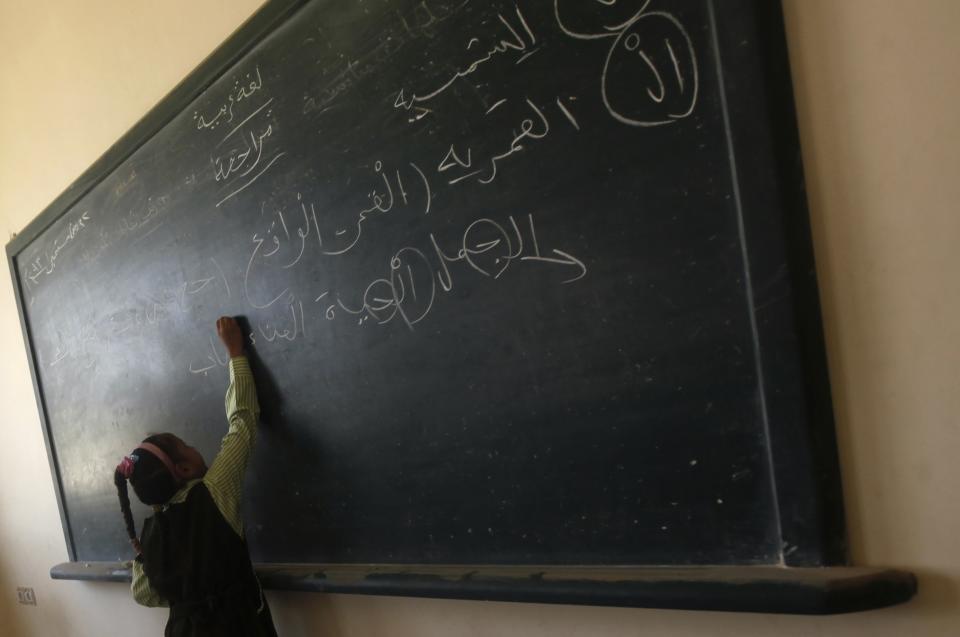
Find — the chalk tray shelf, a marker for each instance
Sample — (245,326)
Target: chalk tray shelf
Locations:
(753,589)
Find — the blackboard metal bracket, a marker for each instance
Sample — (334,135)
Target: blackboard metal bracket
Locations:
(755,589)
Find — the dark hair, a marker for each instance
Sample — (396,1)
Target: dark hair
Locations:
(151,480)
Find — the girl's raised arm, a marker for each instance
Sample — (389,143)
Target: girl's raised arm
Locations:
(225,477)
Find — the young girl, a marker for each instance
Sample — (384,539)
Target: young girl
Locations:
(192,555)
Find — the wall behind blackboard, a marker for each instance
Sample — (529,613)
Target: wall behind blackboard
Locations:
(521,281)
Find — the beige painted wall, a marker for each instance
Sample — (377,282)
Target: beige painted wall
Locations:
(877,93)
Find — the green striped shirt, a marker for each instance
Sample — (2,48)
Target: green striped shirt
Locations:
(224,478)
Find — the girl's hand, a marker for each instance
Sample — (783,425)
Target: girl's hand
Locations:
(231,336)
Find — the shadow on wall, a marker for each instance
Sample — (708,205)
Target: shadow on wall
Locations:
(298,614)
(8,612)
(831,160)
(8,606)
(938,594)
(44,618)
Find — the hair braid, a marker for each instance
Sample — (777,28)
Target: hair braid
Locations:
(121,484)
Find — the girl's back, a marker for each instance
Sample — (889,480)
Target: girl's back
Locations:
(198,563)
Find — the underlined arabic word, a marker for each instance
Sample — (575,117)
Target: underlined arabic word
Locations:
(535,127)
(517,39)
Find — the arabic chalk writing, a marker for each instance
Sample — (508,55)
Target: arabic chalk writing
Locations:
(409,289)
(518,39)
(651,49)
(529,129)
(241,91)
(46,263)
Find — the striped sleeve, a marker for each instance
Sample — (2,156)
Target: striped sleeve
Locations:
(225,476)
(143,593)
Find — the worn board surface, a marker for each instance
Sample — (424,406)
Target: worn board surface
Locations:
(504,270)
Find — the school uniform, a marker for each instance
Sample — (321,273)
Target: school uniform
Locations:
(195,558)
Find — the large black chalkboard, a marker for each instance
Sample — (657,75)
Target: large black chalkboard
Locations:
(527,283)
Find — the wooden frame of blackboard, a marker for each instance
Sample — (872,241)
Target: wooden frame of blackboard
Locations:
(762,134)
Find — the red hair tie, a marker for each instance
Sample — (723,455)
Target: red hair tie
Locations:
(126,466)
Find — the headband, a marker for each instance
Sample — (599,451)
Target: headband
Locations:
(126,465)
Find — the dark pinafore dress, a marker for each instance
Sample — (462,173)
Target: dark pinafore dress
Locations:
(198,563)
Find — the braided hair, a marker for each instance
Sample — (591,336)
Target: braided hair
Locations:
(150,478)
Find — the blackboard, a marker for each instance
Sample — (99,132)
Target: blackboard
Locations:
(526,283)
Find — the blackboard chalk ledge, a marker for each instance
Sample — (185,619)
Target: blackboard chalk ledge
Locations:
(754,589)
